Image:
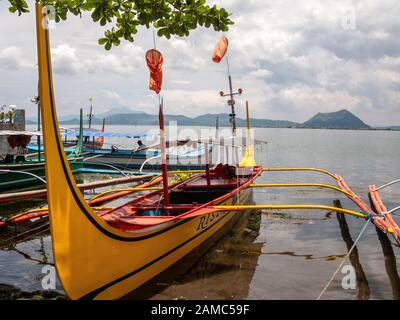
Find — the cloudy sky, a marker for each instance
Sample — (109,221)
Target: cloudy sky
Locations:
(292,59)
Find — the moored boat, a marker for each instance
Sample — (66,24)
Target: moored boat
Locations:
(180,156)
(134,242)
(18,169)
(108,254)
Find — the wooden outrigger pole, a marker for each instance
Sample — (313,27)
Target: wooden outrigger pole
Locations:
(291,207)
(387,222)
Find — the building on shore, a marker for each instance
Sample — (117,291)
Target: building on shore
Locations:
(14,121)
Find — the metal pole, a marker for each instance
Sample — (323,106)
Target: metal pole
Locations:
(232,103)
(90,115)
(208,175)
(163,156)
(247,116)
(38,128)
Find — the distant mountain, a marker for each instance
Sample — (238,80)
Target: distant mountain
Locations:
(342,119)
(210,119)
(142,118)
(116,110)
(394,128)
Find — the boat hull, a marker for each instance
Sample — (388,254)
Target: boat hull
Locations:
(16,179)
(184,266)
(156,253)
(93,258)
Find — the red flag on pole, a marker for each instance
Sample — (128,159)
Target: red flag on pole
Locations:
(155,61)
(220,49)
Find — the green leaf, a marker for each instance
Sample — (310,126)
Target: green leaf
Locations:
(108,46)
(102,41)
(170,17)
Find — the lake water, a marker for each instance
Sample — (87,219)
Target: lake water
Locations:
(290,255)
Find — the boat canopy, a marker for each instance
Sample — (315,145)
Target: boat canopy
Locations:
(20,133)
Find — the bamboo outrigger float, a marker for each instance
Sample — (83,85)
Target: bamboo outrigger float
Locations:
(108,253)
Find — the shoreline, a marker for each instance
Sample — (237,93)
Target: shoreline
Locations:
(266,127)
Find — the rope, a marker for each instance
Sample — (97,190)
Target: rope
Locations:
(344,259)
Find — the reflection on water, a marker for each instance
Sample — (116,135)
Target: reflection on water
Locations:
(390,263)
(305,256)
(286,254)
(362,283)
(210,275)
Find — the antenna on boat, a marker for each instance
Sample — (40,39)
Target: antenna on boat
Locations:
(231,102)
(220,51)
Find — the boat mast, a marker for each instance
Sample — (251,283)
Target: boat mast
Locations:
(38,128)
(90,116)
(163,155)
(36,100)
(231,102)
(247,116)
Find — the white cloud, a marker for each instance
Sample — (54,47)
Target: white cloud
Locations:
(65,60)
(69,60)
(261,73)
(197,101)
(127,61)
(180,81)
(291,58)
(318,98)
(181,54)
(13,59)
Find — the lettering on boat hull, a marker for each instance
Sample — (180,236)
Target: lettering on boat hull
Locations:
(208,220)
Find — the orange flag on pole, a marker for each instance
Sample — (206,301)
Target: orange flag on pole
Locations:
(155,61)
(220,49)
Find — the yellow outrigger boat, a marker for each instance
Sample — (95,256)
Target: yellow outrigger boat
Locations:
(106,255)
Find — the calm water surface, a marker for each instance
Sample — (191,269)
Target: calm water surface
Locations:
(290,255)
